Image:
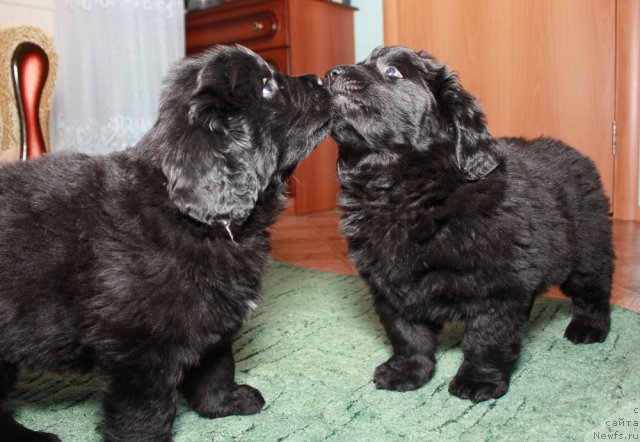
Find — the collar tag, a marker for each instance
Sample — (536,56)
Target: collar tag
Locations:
(227,226)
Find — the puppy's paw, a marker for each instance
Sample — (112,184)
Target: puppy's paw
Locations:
(469,383)
(404,373)
(242,400)
(246,400)
(582,332)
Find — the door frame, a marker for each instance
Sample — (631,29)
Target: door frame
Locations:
(627,111)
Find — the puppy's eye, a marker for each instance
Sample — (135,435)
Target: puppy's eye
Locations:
(392,72)
(267,88)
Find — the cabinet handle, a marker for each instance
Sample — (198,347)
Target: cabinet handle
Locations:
(258,26)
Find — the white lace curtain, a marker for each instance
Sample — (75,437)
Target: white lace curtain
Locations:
(113,55)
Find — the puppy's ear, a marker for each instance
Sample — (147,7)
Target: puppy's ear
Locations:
(226,85)
(210,182)
(461,116)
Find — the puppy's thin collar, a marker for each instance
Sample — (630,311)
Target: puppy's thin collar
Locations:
(227,226)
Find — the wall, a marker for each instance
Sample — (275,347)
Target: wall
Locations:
(31,12)
(368,26)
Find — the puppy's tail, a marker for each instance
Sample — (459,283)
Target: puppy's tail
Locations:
(12,431)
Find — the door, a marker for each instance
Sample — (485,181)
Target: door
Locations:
(538,67)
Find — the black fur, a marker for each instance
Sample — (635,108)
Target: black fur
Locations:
(124,264)
(445,222)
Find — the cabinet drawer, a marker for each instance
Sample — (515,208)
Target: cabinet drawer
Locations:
(257,26)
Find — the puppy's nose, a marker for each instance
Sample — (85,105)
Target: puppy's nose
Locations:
(333,73)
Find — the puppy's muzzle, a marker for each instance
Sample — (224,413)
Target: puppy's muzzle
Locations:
(304,84)
(308,92)
(317,81)
(341,79)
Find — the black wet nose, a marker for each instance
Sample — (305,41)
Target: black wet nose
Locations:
(333,73)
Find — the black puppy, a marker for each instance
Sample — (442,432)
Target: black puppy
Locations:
(445,222)
(143,264)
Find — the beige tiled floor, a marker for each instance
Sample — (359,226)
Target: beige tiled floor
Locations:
(314,242)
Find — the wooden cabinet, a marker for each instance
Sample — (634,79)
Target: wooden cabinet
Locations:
(296,37)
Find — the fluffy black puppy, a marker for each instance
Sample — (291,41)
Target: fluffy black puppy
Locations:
(445,222)
(144,263)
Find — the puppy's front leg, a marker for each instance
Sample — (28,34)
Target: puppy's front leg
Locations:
(211,390)
(491,345)
(413,360)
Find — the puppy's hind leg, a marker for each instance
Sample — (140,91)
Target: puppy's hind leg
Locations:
(591,310)
(413,362)
(10,430)
(210,388)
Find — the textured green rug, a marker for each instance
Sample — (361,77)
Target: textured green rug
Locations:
(312,347)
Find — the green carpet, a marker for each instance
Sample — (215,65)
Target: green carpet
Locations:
(312,347)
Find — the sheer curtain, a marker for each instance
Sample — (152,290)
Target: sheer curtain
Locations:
(112,55)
